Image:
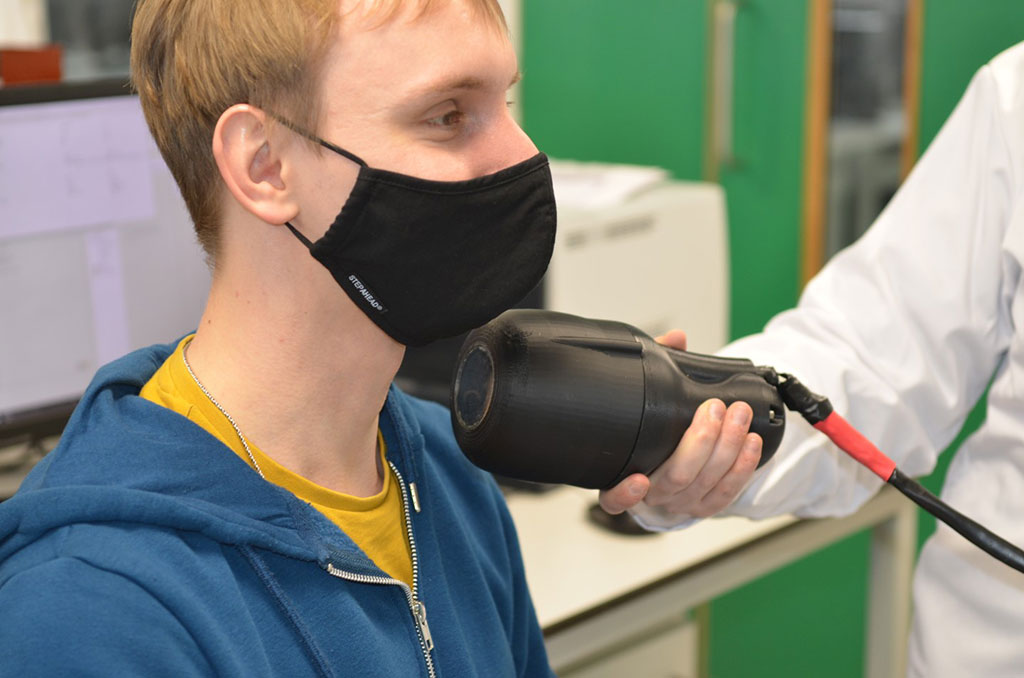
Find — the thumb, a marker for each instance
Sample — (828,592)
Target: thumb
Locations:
(673,339)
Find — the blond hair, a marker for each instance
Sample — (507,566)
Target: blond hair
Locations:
(193,59)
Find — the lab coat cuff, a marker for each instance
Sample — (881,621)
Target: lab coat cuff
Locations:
(656,519)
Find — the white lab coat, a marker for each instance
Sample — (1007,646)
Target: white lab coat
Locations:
(903,331)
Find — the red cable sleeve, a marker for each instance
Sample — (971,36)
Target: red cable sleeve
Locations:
(856,445)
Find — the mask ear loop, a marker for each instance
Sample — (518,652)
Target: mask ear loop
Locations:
(312,137)
(326,144)
(303,239)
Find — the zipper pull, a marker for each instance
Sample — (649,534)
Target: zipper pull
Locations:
(414,493)
(420,613)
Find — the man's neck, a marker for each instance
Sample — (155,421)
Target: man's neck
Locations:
(306,391)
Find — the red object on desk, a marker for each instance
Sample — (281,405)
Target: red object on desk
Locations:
(23,66)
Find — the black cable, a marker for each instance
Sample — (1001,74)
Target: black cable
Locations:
(817,410)
(990,543)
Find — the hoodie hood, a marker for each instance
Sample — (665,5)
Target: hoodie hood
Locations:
(125,459)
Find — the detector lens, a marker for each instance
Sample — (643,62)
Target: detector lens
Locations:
(474,387)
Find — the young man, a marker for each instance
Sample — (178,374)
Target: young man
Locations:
(256,499)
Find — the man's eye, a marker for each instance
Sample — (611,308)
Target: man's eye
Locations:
(449,119)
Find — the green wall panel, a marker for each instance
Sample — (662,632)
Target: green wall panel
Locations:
(804,620)
(627,82)
(613,81)
(764,187)
(959,37)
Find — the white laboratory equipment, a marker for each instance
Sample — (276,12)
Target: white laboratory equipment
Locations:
(655,257)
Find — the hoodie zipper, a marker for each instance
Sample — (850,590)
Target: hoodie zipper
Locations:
(416,606)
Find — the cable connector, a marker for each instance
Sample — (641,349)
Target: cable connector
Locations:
(814,408)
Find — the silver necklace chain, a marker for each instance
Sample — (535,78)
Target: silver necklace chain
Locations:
(255,465)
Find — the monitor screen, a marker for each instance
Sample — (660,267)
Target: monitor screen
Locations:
(97,252)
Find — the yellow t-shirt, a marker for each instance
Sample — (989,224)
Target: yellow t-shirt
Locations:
(376,524)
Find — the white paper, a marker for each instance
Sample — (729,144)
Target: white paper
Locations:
(61,172)
(47,351)
(596,185)
(106,289)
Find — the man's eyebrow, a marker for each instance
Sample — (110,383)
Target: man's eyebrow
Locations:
(468,83)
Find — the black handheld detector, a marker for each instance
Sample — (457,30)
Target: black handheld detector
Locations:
(555,398)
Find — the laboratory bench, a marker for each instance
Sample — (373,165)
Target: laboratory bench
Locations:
(611,602)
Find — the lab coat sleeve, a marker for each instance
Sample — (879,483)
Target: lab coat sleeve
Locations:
(903,330)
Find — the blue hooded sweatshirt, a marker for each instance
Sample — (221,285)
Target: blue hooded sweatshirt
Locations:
(143,546)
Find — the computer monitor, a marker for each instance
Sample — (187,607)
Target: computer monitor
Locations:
(97,252)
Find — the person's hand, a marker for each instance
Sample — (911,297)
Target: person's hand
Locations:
(711,465)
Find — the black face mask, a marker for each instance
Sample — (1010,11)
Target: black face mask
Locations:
(431,259)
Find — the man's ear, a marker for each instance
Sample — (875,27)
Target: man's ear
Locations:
(251,164)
